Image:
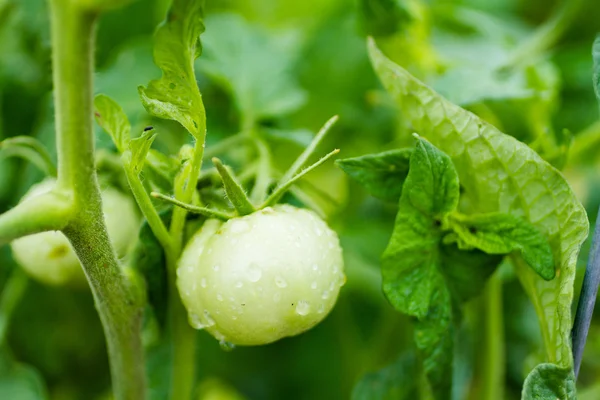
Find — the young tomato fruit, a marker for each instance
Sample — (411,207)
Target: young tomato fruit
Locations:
(258,278)
(48,256)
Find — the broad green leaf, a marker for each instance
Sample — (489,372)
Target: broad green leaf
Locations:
(596,58)
(110,116)
(138,149)
(549,382)
(499,233)
(500,174)
(383,17)
(29,149)
(417,277)
(398,381)
(176,45)
(411,262)
(252,66)
(381,174)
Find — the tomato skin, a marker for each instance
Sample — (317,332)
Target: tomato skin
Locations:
(48,256)
(258,278)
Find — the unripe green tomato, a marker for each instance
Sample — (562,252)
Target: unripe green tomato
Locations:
(48,256)
(262,277)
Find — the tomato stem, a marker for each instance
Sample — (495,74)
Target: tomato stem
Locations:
(263,176)
(72,32)
(494,358)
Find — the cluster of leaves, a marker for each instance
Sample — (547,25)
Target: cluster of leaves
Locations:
(518,205)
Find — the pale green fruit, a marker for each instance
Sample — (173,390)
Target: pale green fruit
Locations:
(49,258)
(258,278)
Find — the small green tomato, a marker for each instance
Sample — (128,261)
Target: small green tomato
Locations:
(262,277)
(49,258)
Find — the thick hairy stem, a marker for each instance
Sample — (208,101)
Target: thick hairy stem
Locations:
(120,311)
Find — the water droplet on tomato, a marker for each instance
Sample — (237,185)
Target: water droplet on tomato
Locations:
(280,282)
(302,308)
(253,273)
(226,346)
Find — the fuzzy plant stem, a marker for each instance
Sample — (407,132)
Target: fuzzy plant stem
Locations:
(120,309)
(587,299)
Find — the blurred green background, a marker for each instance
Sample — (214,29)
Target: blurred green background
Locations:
(287,67)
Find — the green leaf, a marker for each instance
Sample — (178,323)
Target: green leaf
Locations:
(382,174)
(139,148)
(500,174)
(110,116)
(255,68)
(383,17)
(29,149)
(416,274)
(596,58)
(398,381)
(411,261)
(176,45)
(499,233)
(549,382)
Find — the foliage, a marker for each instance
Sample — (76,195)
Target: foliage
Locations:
(469,136)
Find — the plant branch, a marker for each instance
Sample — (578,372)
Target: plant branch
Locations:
(120,310)
(207,212)
(494,359)
(145,204)
(303,158)
(587,299)
(282,188)
(47,212)
(183,335)
(11,295)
